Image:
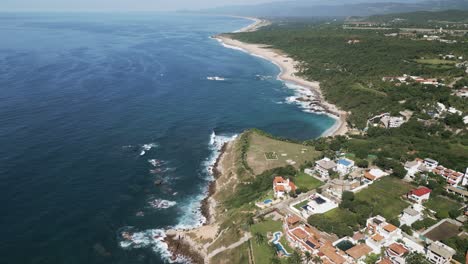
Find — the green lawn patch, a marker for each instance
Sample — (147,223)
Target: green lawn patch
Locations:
(442,206)
(306,182)
(435,61)
(384,196)
(299,205)
(263,251)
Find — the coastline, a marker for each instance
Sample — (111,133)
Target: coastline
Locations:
(194,243)
(288,71)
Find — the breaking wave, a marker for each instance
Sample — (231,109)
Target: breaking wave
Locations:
(147,147)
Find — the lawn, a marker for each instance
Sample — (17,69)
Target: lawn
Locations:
(384,195)
(299,205)
(260,145)
(305,182)
(435,61)
(239,254)
(442,206)
(263,251)
(380,198)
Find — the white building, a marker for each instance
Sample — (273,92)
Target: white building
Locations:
(382,234)
(374,174)
(282,186)
(344,166)
(419,195)
(412,167)
(409,216)
(430,163)
(323,166)
(439,253)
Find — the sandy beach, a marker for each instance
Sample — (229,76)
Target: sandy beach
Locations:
(288,72)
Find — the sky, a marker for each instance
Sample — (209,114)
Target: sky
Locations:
(121,5)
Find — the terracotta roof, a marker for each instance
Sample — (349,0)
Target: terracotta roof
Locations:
(293,220)
(359,251)
(279,188)
(398,249)
(421,191)
(390,228)
(330,253)
(358,236)
(385,261)
(369,176)
(299,233)
(312,231)
(292,185)
(377,237)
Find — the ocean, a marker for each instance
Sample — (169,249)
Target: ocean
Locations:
(110,121)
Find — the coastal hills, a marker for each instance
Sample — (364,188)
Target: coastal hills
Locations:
(303,8)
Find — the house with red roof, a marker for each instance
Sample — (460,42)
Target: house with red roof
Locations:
(282,186)
(419,195)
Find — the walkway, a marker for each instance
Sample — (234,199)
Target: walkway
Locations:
(215,252)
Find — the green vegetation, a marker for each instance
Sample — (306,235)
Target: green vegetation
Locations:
(239,254)
(425,223)
(299,205)
(435,61)
(423,18)
(380,198)
(442,206)
(460,244)
(305,182)
(263,251)
(261,144)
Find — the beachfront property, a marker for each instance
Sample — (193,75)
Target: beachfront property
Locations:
(344,166)
(282,186)
(323,168)
(374,174)
(439,253)
(314,204)
(308,239)
(419,195)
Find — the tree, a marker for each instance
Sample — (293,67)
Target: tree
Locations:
(295,258)
(362,163)
(259,237)
(399,171)
(454,213)
(407,229)
(416,258)
(317,260)
(372,258)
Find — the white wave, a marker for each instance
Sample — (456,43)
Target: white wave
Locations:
(194,217)
(215,78)
(153,238)
(161,204)
(147,147)
(156,162)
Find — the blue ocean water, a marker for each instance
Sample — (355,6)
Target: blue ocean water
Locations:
(88,100)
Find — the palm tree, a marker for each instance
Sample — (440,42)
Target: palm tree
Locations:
(317,260)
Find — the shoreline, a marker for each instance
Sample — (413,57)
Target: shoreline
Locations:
(184,242)
(288,71)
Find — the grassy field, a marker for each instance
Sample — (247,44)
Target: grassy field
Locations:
(239,254)
(384,195)
(380,198)
(442,206)
(262,251)
(435,61)
(260,145)
(306,182)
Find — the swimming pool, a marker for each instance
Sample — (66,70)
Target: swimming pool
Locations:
(267,201)
(278,245)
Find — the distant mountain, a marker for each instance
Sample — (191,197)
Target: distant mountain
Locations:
(423,16)
(308,8)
